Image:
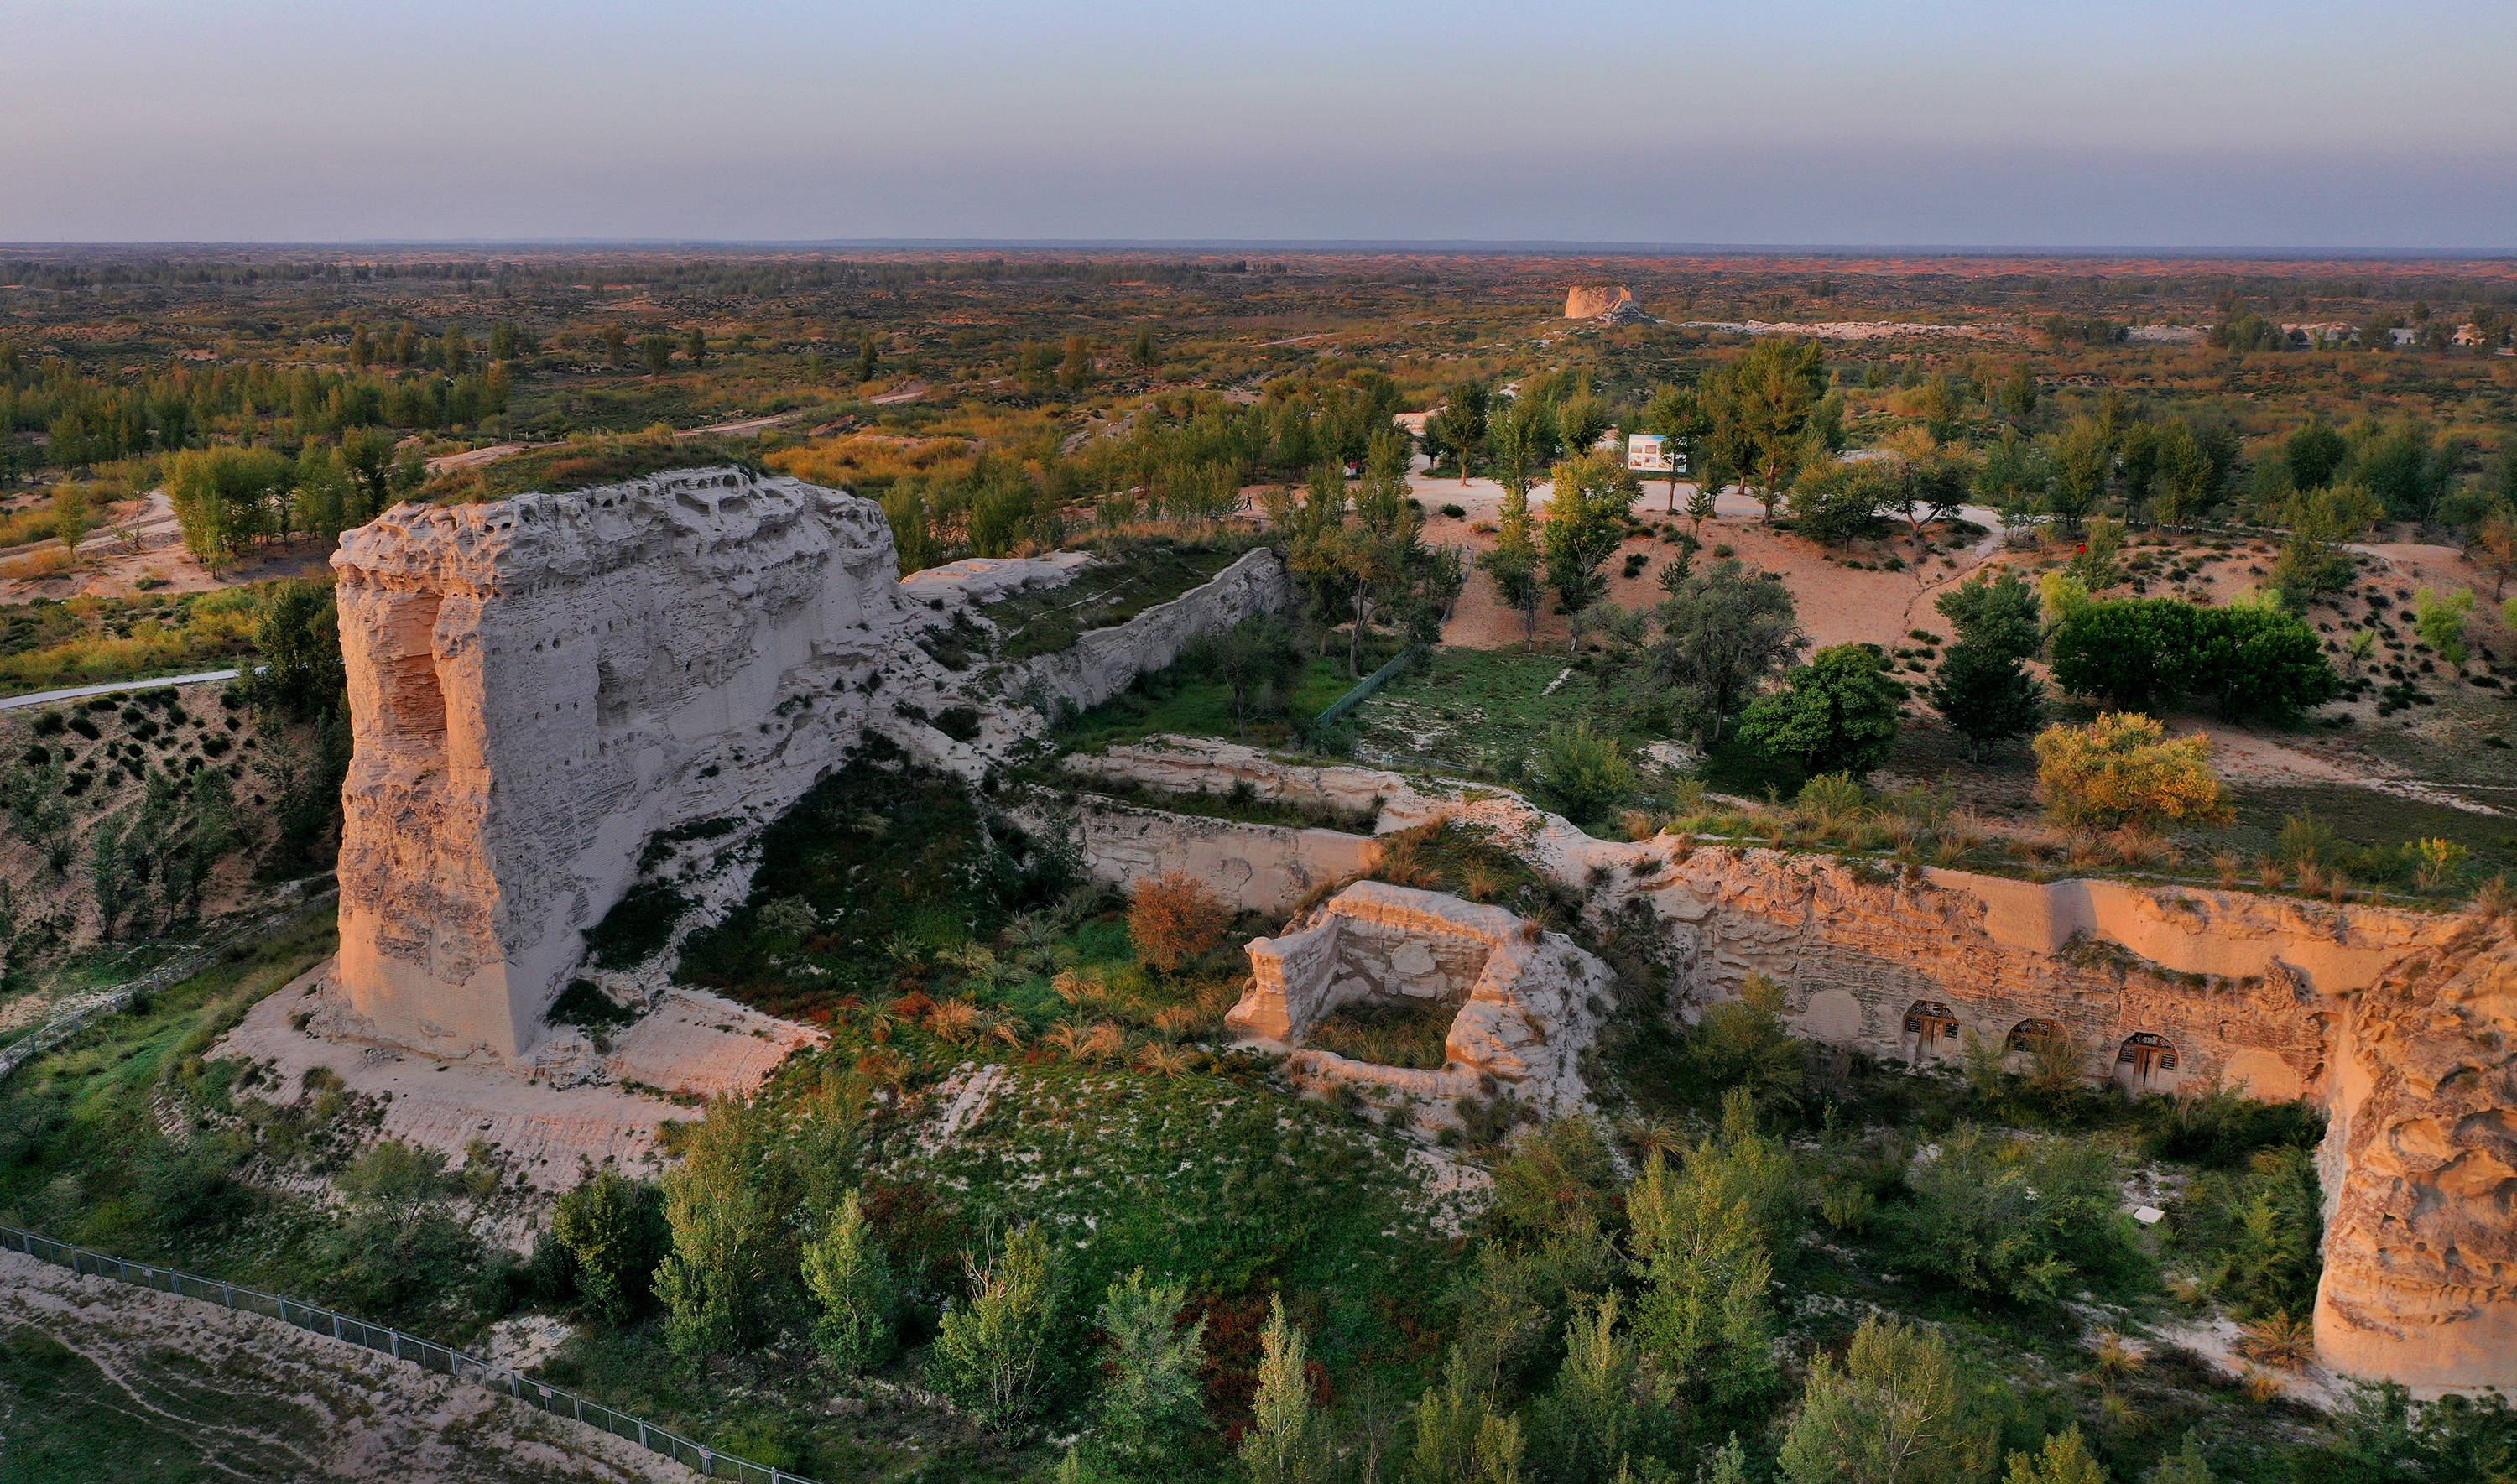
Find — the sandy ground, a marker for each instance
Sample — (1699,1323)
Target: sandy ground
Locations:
(907,391)
(242,1397)
(111,566)
(577,1105)
(1838,604)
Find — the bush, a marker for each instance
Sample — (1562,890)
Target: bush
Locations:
(615,1230)
(1838,713)
(2025,1220)
(2120,770)
(1173,919)
(1580,772)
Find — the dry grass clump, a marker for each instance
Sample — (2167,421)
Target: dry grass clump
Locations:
(1173,919)
(2278,1340)
(2230,867)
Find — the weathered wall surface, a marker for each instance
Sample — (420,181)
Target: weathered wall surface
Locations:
(2420,1174)
(2403,1024)
(1107,660)
(1529,1003)
(1262,868)
(538,685)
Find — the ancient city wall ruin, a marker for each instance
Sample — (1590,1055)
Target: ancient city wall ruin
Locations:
(2400,1024)
(540,685)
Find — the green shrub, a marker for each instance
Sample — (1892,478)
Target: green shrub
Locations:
(1583,774)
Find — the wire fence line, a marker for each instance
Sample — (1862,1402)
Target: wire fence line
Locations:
(426,1354)
(167,975)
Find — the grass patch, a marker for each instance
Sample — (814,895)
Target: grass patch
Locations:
(1185,700)
(871,868)
(1387,1033)
(585,463)
(1464,710)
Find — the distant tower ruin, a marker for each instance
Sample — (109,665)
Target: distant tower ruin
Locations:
(1589,301)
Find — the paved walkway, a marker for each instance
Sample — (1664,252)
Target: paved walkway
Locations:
(111,687)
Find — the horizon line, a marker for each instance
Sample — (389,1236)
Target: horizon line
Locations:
(1530,247)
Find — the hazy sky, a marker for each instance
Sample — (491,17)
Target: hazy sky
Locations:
(2317,123)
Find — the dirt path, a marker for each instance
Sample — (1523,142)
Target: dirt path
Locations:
(107,1380)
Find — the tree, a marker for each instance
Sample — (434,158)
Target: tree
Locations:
(1838,713)
(2186,1466)
(1283,1444)
(2122,770)
(1835,502)
(1172,919)
(1703,1322)
(1595,1409)
(616,1229)
(2083,454)
(38,804)
(1462,422)
(111,880)
(845,1271)
(1677,416)
(1899,1410)
(1141,349)
(1723,632)
(1148,1405)
(2495,546)
(1745,1045)
(989,1355)
(2065,1459)
(1523,441)
(1586,522)
(725,1204)
(1582,773)
(1995,611)
(657,351)
(1986,696)
(2314,562)
(2315,454)
(866,362)
(1580,419)
(1762,406)
(299,635)
(397,1181)
(2439,620)
(1255,658)
(2189,478)
(455,351)
(1513,563)
(695,345)
(1700,500)
(226,497)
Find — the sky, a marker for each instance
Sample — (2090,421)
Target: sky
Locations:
(2312,125)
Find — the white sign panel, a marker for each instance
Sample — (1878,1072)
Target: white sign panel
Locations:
(1650,454)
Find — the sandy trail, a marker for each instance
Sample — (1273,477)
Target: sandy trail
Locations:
(247,1397)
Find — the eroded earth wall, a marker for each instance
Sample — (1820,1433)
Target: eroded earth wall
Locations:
(2401,1024)
(538,685)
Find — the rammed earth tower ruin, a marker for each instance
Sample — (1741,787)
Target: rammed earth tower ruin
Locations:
(538,685)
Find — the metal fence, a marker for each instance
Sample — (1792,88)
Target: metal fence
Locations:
(167,975)
(1365,688)
(425,1354)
